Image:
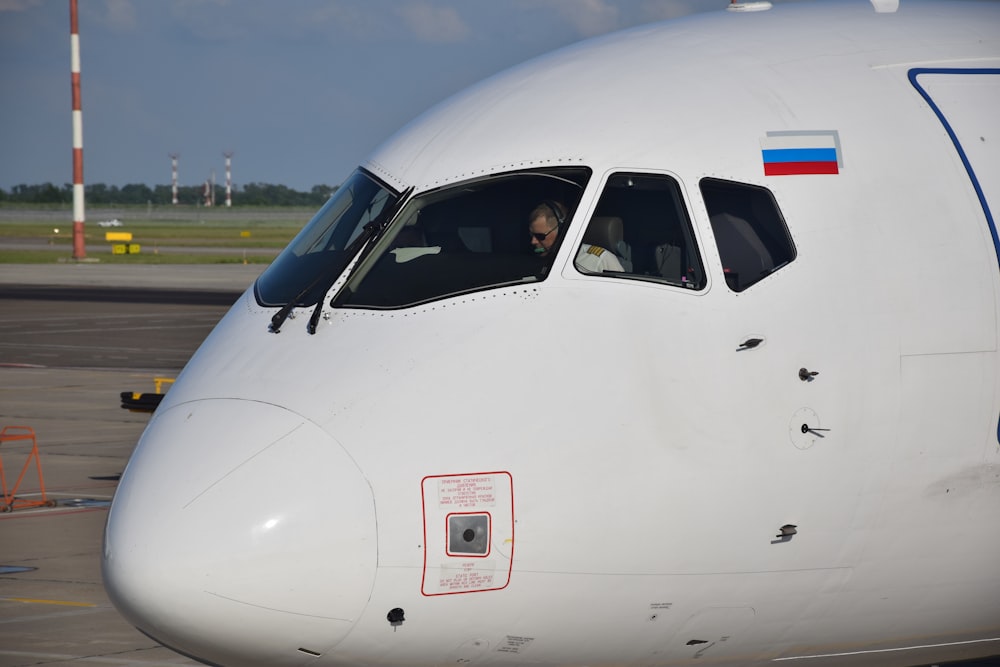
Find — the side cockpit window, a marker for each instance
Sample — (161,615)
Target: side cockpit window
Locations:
(750,233)
(640,230)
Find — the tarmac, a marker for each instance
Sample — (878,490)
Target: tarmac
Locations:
(72,337)
(233,277)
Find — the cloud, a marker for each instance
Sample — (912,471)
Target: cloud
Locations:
(120,15)
(661,10)
(434,24)
(211,21)
(195,5)
(343,19)
(198,10)
(589,17)
(18,5)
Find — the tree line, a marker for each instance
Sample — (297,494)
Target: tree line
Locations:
(99,194)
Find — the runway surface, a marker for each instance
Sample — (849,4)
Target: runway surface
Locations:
(72,337)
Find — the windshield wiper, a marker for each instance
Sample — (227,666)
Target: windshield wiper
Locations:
(328,277)
(279,317)
(366,243)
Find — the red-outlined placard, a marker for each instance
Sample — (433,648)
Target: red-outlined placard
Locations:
(482,493)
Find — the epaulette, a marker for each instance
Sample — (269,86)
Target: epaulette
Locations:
(595,250)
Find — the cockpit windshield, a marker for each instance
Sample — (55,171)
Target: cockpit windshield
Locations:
(467,237)
(304,271)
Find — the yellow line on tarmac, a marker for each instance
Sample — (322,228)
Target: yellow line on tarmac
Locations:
(65,603)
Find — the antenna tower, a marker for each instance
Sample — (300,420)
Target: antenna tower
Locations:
(229,177)
(173,173)
(79,246)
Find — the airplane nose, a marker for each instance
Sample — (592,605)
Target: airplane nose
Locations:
(240,534)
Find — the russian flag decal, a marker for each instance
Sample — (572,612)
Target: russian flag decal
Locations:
(790,153)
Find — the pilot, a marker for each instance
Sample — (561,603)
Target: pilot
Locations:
(545,221)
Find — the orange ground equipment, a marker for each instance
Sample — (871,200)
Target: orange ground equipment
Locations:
(10,499)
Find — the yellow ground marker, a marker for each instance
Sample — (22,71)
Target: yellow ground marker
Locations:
(65,603)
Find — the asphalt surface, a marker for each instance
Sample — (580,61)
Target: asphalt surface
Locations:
(99,250)
(72,338)
(100,316)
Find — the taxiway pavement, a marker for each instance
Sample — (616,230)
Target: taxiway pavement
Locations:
(72,337)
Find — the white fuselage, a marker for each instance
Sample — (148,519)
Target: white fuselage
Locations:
(636,461)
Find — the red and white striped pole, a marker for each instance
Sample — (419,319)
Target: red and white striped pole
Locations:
(79,247)
(229,178)
(173,174)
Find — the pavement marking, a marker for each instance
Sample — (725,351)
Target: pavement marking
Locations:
(66,603)
(60,614)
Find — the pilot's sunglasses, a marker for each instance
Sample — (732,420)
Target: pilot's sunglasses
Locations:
(539,236)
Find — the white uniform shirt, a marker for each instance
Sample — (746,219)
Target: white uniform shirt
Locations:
(595,259)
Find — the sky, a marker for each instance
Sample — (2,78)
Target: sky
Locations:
(300,91)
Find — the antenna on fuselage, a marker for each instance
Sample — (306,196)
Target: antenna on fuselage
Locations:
(751,6)
(885,6)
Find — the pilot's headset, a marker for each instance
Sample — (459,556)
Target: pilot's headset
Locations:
(557,214)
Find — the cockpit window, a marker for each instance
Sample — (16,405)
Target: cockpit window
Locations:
(463,238)
(749,231)
(640,230)
(304,271)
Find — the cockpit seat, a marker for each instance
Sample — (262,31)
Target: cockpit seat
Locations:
(744,256)
(410,236)
(608,232)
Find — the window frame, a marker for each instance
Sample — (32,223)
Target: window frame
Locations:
(686,222)
(562,179)
(302,272)
(770,240)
